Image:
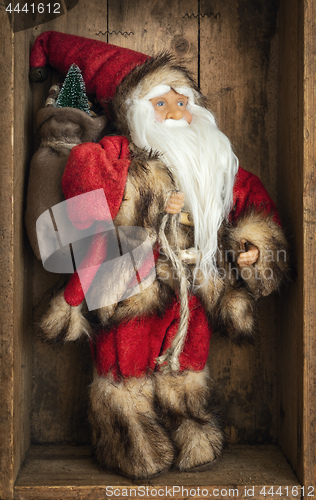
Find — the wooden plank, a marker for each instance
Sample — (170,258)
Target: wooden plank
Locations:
(290,196)
(61,374)
(68,472)
(22,254)
(238,73)
(6,258)
(151,27)
(309,220)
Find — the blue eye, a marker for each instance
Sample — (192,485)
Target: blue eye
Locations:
(160,103)
(181,103)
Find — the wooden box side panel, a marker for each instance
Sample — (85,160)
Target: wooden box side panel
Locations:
(23,277)
(290,171)
(6,260)
(16,276)
(297,134)
(308,458)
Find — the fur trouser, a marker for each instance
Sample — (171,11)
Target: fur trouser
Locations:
(185,403)
(143,426)
(126,435)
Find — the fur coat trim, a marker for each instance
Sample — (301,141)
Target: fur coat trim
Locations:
(63,322)
(272,267)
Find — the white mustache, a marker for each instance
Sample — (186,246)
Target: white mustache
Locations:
(175,123)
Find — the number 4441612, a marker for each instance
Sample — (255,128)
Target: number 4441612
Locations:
(40,8)
(293,491)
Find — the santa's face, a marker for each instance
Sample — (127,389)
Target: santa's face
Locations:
(171,106)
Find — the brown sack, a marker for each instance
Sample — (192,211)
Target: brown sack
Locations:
(60,129)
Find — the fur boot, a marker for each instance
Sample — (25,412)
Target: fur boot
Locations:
(126,435)
(235,315)
(186,406)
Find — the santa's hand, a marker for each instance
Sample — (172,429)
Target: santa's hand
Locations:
(250,256)
(175,203)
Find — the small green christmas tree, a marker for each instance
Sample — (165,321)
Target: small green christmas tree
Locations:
(73,92)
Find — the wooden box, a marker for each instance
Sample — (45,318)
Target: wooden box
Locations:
(255,60)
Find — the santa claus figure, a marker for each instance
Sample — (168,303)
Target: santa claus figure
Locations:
(216,239)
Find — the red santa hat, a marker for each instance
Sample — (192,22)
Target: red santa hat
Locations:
(103,65)
(108,71)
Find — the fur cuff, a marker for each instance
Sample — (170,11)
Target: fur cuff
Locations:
(272,267)
(62,321)
(235,316)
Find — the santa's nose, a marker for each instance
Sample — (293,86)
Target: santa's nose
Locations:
(174,113)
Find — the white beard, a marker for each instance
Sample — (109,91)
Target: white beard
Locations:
(202,161)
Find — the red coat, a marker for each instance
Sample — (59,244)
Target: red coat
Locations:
(131,348)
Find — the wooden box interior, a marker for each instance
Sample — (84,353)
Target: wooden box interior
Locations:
(255,63)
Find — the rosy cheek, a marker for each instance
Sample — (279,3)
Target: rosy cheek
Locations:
(159,116)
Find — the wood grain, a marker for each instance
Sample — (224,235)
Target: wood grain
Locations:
(22,254)
(290,194)
(309,218)
(6,259)
(151,27)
